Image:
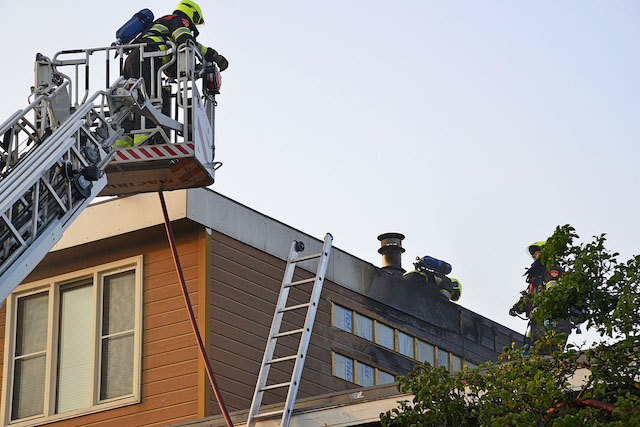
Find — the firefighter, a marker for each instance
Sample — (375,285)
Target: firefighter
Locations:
(539,279)
(447,288)
(180,27)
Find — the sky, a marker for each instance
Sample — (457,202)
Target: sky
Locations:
(473,128)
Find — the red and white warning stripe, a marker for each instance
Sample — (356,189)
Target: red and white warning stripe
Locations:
(151,152)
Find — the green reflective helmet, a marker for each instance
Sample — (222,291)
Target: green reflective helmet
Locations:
(192,10)
(534,247)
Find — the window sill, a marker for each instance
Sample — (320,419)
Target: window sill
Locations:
(112,404)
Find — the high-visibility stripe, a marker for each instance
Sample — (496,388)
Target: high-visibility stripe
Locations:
(160,28)
(139,138)
(158,40)
(179,32)
(124,141)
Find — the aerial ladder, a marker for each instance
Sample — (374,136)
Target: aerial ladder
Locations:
(61,151)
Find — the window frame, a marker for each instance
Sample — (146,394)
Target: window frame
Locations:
(396,341)
(52,286)
(354,369)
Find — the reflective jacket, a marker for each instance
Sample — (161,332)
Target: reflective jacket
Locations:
(540,279)
(178,29)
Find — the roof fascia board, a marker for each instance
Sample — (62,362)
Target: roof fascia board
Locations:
(122,215)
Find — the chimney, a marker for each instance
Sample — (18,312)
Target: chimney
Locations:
(391,250)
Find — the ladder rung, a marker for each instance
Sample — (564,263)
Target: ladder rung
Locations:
(306,258)
(282,359)
(300,282)
(291,332)
(294,307)
(271,387)
(269,414)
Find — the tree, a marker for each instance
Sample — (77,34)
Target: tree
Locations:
(529,388)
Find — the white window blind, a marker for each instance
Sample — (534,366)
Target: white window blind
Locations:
(75,347)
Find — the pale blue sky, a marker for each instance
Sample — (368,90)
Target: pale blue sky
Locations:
(474,128)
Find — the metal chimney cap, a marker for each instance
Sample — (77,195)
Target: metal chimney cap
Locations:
(391,239)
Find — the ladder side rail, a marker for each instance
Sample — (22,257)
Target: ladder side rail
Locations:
(26,257)
(62,146)
(34,173)
(45,156)
(36,214)
(306,334)
(27,172)
(15,128)
(271,340)
(38,249)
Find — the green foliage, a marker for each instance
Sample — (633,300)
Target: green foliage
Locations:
(528,388)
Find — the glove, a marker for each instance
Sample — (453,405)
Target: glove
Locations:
(222,62)
(213,56)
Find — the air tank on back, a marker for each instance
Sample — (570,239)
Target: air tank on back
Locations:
(139,23)
(433,264)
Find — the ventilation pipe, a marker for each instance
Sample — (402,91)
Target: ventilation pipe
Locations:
(391,250)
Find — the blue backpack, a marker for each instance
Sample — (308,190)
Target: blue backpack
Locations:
(138,24)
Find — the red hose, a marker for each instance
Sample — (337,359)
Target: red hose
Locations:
(192,318)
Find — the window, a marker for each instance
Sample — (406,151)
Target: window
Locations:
(343,367)
(384,335)
(393,339)
(385,378)
(364,327)
(456,363)
(365,375)
(73,343)
(470,365)
(426,353)
(359,373)
(342,318)
(405,344)
(443,358)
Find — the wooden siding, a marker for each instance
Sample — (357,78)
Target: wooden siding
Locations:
(245,283)
(170,383)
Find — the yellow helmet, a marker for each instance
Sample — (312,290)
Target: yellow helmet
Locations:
(192,10)
(532,248)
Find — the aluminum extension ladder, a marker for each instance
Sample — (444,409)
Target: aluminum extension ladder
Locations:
(304,332)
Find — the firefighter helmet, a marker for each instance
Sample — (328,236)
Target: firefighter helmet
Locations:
(192,10)
(534,247)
